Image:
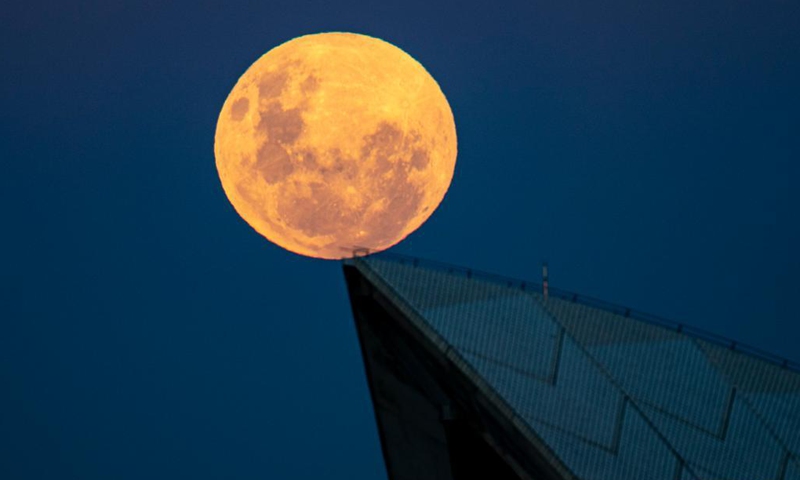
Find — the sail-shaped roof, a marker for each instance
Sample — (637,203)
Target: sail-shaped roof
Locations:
(598,392)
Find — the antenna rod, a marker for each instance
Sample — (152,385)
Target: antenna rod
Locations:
(545,286)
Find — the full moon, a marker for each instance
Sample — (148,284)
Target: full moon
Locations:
(335,144)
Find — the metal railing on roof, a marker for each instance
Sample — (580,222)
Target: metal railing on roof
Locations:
(580,299)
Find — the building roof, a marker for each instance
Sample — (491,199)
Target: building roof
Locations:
(593,391)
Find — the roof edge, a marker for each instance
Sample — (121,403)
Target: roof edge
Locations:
(588,301)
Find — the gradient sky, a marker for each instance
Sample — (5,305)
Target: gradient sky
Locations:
(647,150)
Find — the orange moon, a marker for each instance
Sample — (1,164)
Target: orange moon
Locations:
(335,144)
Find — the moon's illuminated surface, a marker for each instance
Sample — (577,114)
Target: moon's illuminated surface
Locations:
(335,142)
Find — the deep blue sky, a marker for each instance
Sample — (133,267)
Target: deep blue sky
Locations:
(648,150)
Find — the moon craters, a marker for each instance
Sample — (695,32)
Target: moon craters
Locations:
(335,142)
(364,199)
(239,109)
(317,212)
(419,159)
(271,85)
(273,163)
(280,128)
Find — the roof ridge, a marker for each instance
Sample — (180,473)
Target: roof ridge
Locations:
(592,302)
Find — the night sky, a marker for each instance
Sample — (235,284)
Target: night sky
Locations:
(647,150)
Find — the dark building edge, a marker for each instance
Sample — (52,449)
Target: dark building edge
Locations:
(478,433)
